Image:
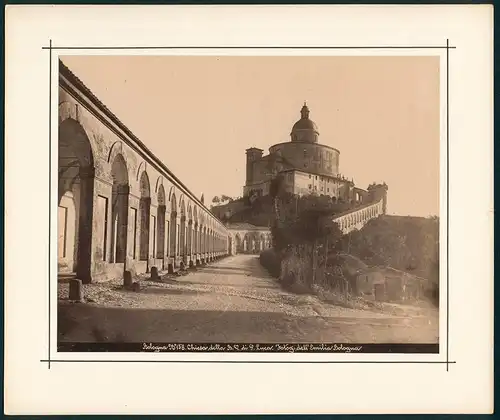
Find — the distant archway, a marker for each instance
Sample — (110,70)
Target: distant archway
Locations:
(262,242)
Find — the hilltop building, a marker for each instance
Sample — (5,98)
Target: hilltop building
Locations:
(307,166)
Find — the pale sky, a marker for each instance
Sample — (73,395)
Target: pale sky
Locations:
(199,114)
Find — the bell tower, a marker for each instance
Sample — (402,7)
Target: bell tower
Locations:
(253,154)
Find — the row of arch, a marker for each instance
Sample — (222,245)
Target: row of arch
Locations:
(169,228)
(251,242)
(102,224)
(349,221)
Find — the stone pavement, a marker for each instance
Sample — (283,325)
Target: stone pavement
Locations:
(232,300)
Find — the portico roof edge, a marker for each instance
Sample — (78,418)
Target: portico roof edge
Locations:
(126,134)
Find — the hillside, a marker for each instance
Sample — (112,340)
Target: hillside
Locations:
(407,243)
(260,212)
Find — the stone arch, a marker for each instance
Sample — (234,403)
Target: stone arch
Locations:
(195,214)
(190,227)
(182,228)
(171,193)
(68,110)
(196,230)
(246,242)
(119,209)
(76,172)
(173,225)
(262,242)
(159,182)
(145,213)
(140,170)
(115,149)
(161,214)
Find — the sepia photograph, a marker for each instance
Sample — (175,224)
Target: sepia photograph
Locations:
(288,202)
(248,203)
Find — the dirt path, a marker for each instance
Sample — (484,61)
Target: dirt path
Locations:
(233,300)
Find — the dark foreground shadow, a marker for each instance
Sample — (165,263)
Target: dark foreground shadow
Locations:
(90,323)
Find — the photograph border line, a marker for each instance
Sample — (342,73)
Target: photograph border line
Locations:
(49,360)
(369,362)
(281,47)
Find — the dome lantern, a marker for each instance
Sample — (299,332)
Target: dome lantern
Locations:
(305,130)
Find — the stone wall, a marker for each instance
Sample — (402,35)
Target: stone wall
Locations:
(128,206)
(309,157)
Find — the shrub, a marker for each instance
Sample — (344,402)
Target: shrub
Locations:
(271,261)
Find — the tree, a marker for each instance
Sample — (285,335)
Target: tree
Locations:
(216,200)
(304,226)
(275,190)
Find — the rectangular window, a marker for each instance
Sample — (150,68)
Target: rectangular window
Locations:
(63,223)
(168,237)
(177,231)
(134,230)
(153,227)
(102,212)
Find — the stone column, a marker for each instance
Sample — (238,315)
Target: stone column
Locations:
(85,252)
(198,244)
(190,243)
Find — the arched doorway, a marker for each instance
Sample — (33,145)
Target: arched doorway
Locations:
(161,212)
(190,236)
(119,208)
(238,243)
(182,232)
(144,212)
(247,243)
(173,227)
(75,200)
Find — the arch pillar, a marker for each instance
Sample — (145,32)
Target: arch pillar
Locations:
(190,243)
(174,242)
(85,261)
(196,240)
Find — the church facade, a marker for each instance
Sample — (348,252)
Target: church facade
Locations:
(307,166)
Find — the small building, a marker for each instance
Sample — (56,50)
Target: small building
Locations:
(390,284)
(371,282)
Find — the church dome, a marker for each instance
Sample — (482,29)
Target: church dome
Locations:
(305,130)
(305,124)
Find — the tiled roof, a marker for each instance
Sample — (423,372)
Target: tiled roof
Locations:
(73,78)
(245,226)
